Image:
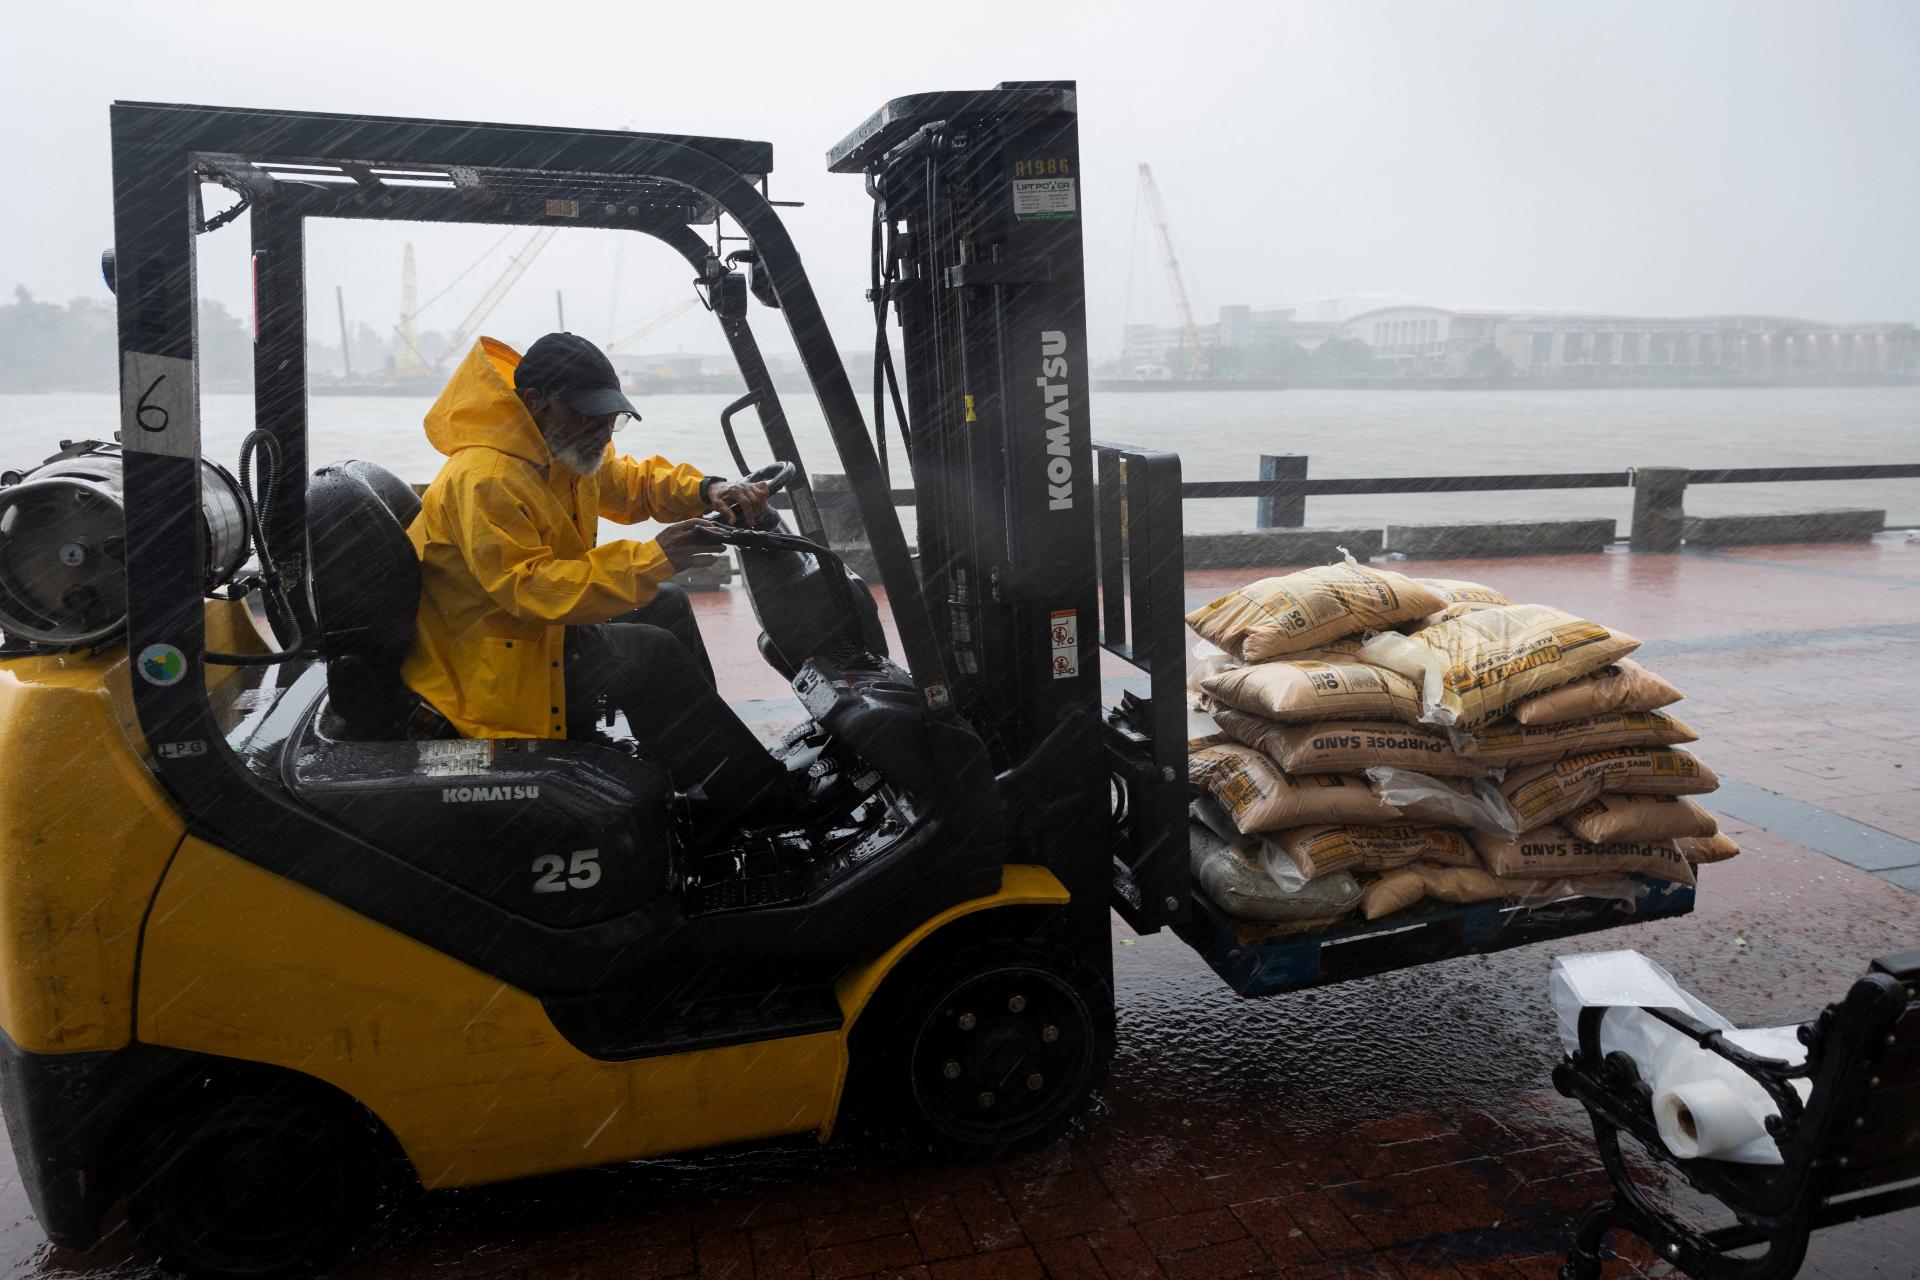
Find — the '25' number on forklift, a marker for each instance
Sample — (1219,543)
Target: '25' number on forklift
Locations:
(584,873)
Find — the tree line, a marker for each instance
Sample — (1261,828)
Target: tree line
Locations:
(73,347)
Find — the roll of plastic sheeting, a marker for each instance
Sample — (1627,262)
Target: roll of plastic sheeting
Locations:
(1709,1109)
(1706,1107)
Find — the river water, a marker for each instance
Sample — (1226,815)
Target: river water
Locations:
(1221,435)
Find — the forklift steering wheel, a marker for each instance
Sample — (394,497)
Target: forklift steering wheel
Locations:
(776,476)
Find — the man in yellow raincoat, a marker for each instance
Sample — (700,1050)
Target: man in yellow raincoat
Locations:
(526,620)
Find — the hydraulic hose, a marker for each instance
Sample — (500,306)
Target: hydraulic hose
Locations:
(256,503)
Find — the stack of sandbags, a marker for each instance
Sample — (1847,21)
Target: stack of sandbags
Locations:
(1592,773)
(1435,739)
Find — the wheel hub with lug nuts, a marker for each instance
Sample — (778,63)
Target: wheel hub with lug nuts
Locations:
(1006,1053)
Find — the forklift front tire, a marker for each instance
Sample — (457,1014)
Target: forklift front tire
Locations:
(255,1186)
(994,1049)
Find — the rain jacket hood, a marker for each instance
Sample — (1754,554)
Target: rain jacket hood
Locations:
(510,554)
(479,407)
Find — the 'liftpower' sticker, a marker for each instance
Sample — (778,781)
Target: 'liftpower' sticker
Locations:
(1064,635)
(1044,198)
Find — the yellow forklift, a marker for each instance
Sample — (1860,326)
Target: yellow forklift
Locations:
(267,936)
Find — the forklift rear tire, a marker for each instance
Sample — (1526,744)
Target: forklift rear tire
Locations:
(994,1049)
(256,1186)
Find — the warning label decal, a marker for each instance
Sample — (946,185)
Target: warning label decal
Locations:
(1064,637)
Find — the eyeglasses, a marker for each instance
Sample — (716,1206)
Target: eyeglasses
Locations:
(609,422)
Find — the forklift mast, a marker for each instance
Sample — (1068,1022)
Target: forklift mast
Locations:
(978,249)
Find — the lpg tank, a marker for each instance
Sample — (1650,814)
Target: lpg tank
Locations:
(63,556)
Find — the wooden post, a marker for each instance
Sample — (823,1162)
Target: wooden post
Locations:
(1282,513)
(1659,499)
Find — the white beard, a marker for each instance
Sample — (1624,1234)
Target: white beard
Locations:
(581,461)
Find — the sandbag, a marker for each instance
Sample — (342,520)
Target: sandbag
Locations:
(1550,853)
(1426,668)
(1260,797)
(1544,793)
(1623,685)
(1508,742)
(1714,848)
(1350,746)
(1198,676)
(1395,890)
(1210,660)
(1447,802)
(1494,658)
(1463,598)
(1298,691)
(1230,874)
(1338,649)
(1610,816)
(1402,887)
(1461,591)
(1472,884)
(1315,851)
(1459,609)
(1460,885)
(1275,617)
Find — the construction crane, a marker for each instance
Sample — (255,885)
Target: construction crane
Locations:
(1189,332)
(671,313)
(457,342)
(407,362)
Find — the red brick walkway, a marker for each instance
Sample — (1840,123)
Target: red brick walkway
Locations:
(1399,1126)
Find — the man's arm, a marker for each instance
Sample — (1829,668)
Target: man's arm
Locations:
(513,562)
(632,490)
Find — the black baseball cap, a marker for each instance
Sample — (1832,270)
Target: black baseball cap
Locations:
(579,373)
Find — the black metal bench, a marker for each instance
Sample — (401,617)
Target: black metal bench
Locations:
(1851,1151)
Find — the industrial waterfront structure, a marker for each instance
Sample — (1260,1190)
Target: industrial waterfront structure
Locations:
(1406,339)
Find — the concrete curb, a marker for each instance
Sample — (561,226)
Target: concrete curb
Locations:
(1454,540)
(1834,524)
(1262,548)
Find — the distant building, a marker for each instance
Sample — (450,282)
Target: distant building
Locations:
(1149,350)
(1415,338)
(669,366)
(1437,340)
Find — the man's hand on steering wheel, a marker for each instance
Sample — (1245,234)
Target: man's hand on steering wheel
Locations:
(685,545)
(740,503)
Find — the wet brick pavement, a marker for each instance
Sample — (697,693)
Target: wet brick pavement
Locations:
(1397,1126)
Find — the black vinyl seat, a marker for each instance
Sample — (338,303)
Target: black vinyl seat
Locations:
(514,821)
(366,591)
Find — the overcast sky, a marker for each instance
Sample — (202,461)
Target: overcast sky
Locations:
(1656,158)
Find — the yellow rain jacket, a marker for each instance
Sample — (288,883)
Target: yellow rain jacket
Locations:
(506,538)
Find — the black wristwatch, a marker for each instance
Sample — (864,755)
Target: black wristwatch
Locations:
(706,497)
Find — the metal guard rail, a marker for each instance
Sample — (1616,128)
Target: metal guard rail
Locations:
(1196,489)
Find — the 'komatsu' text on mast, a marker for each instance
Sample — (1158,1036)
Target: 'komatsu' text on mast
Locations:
(1053,345)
